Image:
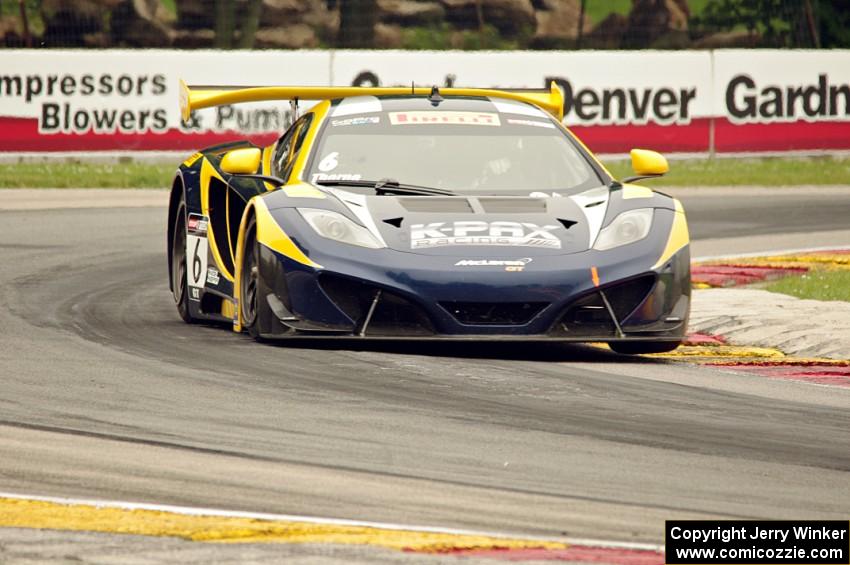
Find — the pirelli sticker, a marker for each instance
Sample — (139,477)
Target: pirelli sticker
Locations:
(438,117)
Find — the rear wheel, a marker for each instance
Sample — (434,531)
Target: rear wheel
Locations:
(178,264)
(637,347)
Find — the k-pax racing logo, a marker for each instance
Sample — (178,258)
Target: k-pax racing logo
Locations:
(476,232)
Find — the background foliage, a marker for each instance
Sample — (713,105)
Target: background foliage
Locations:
(426,24)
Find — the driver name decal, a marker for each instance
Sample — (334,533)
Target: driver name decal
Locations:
(476,232)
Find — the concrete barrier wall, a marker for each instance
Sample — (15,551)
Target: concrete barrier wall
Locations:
(725,101)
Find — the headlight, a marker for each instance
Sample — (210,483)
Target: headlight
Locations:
(628,227)
(339,228)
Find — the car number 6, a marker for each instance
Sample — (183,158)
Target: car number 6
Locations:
(329,162)
(196,262)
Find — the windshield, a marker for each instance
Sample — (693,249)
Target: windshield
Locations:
(462,151)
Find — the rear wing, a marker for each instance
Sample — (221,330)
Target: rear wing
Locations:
(197,97)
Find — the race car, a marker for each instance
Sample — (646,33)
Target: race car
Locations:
(425,213)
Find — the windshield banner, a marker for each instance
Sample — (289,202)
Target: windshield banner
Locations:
(726,101)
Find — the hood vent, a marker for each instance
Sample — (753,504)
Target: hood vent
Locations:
(520,205)
(513,205)
(395,222)
(432,204)
(567,223)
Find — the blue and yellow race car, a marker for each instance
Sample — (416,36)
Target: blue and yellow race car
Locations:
(419,213)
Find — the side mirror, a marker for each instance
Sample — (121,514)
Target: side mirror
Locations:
(647,164)
(241,161)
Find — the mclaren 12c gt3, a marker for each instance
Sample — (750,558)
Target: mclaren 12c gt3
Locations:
(425,213)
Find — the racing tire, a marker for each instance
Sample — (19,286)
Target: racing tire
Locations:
(638,347)
(252,295)
(179,273)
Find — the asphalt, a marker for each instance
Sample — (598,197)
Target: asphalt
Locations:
(744,212)
(107,394)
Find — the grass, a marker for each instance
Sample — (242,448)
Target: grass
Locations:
(817,285)
(171,6)
(598,11)
(693,172)
(33,10)
(86,175)
(775,171)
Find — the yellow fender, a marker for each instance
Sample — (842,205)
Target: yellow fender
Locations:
(270,234)
(678,237)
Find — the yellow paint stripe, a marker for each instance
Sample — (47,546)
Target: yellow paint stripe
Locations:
(303,190)
(208,173)
(678,238)
(725,351)
(836,258)
(697,353)
(267,165)
(230,242)
(830,261)
(228,309)
(801,362)
(270,234)
(320,111)
(191,160)
(634,191)
(78,517)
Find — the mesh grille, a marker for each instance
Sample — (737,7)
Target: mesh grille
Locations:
(393,315)
(589,316)
(494,313)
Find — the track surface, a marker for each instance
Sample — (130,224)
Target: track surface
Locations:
(746,212)
(107,394)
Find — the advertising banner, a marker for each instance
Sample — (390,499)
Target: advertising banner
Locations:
(728,101)
(781,100)
(123,100)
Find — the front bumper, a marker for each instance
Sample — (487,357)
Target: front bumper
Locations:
(394,296)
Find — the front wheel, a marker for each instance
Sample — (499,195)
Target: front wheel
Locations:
(637,347)
(250,283)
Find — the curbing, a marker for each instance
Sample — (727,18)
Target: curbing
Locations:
(785,331)
(222,526)
(798,328)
